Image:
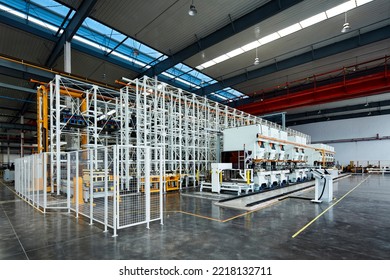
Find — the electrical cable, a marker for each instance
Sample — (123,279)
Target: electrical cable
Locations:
(323,189)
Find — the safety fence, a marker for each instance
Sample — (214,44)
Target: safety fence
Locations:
(116,186)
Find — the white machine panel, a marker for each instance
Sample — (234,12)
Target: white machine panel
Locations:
(241,138)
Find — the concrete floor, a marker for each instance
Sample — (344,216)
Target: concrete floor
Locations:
(356,227)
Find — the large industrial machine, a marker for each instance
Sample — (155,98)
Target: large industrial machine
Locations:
(266,156)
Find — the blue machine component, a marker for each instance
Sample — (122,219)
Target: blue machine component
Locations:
(73,120)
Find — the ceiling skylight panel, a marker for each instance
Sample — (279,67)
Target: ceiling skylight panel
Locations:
(183,67)
(52,5)
(313,20)
(168,75)
(90,43)
(12,11)
(186,82)
(341,8)
(43,24)
(234,92)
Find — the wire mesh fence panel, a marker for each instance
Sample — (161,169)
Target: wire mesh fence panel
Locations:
(79,174)
(57,190)
(39,189)
(30,179)
(141,183)
(157,170)
(116,186)
(99,183)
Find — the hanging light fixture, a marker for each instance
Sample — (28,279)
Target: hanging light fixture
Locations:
(192,11)
(346,26)
(365,105)
(257,61)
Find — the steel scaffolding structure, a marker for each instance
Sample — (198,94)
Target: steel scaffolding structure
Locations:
(145,112)
(186,126)
(82,116)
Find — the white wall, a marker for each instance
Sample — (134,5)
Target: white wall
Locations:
(349,129)
(4,158)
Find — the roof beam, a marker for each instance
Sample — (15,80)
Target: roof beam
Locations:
(315,54)
(260,14)
(4,108)
(340,117)
(17,126)
(17,88)
(74,24)
(321,112)
(23,71)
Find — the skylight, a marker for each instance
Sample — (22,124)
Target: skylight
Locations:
(339,9)
(53,6)
(51,15)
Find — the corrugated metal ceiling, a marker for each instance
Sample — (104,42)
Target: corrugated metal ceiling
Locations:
(84,65)
(320,66)
(23,45)
(166,25)
(324,33)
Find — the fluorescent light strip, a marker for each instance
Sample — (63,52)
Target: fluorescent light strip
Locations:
(235,52)
(313,20)
(221,58)
(251,46)
(362,2)
(339,9)
(269,38)
(289,30)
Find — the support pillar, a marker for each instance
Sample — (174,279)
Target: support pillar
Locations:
(21,139)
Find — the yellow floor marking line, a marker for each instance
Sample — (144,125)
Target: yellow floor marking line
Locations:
(219,220)
(199,216)
(327,209)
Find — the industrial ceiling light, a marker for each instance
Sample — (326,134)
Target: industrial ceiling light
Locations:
(346,26)
(192,11)
(257,61)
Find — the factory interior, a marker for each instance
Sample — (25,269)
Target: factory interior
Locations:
(253,130)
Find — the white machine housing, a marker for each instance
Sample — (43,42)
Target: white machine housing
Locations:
(323,186)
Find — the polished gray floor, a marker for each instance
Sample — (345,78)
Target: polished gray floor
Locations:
(356,227)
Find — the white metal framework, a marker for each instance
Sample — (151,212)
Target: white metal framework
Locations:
(186,126)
